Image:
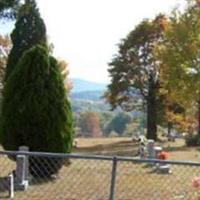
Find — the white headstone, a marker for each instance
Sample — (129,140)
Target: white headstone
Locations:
(150,149)
(157,150)
(26,167)
(22,173)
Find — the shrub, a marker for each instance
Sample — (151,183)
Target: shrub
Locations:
(192,140)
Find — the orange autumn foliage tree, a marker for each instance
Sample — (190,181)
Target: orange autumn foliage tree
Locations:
(180,59)
(5,47)
(64,69)
(90,124)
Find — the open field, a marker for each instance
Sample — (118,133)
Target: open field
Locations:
(90,179)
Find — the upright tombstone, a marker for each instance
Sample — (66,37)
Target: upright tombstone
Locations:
(26,169)
(22,173)
(153,152)
(158,150)
(150,149)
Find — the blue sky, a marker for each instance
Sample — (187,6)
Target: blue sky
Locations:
(86,33)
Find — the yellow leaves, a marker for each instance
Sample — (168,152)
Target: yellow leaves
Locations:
(163,91)
(163,23)
(64,69)
(182,123)
(191,49)
(5,47)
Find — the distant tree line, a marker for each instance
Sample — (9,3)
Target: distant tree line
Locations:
(105,124)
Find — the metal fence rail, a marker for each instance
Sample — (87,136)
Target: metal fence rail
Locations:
(84,177)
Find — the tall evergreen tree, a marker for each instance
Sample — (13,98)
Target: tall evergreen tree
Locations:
(35,108)
(9,8)
(29,31)
(35,111)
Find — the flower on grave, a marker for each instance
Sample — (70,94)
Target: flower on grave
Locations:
(198,2)
(196,182)
(163,155)
(196,186)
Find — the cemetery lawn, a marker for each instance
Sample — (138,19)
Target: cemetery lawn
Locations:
(90,180)
(123,146)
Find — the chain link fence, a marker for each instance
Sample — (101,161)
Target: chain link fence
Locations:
(81,177)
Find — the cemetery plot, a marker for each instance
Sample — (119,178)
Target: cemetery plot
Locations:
(82,179)
(90,180)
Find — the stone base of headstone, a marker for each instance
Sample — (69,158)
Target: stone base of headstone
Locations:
(150,149)
(21,186)
(163,169)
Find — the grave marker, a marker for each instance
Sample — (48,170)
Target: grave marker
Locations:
(22,173)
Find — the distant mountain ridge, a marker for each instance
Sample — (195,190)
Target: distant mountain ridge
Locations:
(88,95)
(79,85)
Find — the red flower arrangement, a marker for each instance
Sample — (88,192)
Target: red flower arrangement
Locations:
(196,186)
(196,182)
(198,2)
(163,155)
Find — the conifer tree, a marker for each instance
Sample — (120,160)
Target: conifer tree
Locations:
(29,31)
(35,111)
(9,8)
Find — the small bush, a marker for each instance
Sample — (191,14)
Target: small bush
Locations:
(192,140)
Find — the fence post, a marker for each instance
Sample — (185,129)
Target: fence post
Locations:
(113,179)
(11,186)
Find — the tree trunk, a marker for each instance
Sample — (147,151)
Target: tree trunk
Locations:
(169,128)
(152,115)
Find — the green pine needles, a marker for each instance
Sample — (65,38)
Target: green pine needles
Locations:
(29,30)
(35,109)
